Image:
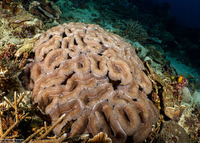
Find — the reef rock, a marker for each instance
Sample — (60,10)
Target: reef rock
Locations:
(95,78)
(172,132)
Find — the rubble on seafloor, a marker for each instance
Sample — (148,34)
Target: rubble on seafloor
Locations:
(172,94)
(172,132)
(17,37)
(22,28)
(17,31)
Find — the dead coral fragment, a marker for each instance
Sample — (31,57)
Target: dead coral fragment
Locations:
(174,113)
(95,78)
(59,140)
(100,138)
(26,47)
(45,10)
(18,118)
(47,131)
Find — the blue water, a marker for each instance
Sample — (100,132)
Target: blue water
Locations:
(187,12)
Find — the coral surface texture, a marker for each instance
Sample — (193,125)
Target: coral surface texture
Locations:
(95,78)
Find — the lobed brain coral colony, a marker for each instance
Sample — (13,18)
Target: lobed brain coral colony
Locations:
(95,78)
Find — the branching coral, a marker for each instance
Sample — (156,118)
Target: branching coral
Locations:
(95,78)
(5,131)
(135,31)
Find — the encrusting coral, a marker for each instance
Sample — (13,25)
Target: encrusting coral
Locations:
(95,78)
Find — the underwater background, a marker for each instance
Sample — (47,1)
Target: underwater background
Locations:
(164,33)
(186,12)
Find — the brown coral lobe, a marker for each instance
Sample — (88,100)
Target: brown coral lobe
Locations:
(95,78)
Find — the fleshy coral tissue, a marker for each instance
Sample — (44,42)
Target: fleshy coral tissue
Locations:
(95,78)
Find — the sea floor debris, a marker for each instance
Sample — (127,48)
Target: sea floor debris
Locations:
(16,118)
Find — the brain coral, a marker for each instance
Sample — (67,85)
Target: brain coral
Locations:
(95,78)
